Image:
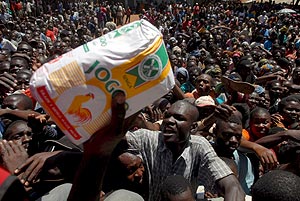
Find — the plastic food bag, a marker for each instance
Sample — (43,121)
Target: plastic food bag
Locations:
(75,89)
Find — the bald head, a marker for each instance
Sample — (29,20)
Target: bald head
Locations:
(188,108)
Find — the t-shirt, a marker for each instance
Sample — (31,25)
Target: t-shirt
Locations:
(50,34)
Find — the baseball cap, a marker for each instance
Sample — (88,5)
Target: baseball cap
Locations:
(205,101)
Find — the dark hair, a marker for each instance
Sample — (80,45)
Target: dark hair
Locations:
(235,117)
(287,152)
(259,110)
(285,101)
(194,69)
(9,130)
(283,62)
(270,83)
(244,109)
(174,185)
(244,61)
(277,185)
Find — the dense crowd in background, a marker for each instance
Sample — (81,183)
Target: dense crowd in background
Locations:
(235,108)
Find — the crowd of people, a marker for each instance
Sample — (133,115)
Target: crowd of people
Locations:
(229,129)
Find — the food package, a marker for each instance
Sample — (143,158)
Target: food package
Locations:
(75,89)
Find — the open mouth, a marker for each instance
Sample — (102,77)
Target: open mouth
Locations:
(232,148)
(294,116)
(168,134)
(168,130)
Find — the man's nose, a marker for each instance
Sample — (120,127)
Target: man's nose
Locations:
(26,138)
(170,119)
(233,139)
(261,125)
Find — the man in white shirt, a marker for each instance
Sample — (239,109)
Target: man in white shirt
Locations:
(263,19)
(6,44)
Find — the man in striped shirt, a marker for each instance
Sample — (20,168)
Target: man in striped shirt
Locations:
(175,151)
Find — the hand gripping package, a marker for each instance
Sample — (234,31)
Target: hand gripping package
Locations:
(76,88)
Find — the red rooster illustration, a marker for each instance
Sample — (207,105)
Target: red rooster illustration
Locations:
(80,114)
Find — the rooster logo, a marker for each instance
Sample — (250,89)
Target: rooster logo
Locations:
(77,111)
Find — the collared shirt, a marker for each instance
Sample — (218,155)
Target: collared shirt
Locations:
(198,162)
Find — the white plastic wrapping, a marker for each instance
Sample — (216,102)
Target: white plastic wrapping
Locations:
(75,89)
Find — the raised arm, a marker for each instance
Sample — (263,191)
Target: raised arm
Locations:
(97,151)
(273,140)
(265,155)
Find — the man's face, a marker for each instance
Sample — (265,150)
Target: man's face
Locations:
(192,58)
(291,112)
(181,78)
(133,167)
(203,84)
(256,55)
(17,64)
(179,39)
(193,76)
(173,43)
(224,65)
(23,80)
(21,134)
(265,100)
(25,49)
(260,124)
(254,100)
(229,135)
(174,60)
(276,90)
(203,54)
(177,123)
(4,67)
(296,74)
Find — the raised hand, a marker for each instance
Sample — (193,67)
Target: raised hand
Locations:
(224,111)
(37,122)
(13,155)
(109,136)
(7,83)
(97,152)
(30,170)
(276,120)
(267,157)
